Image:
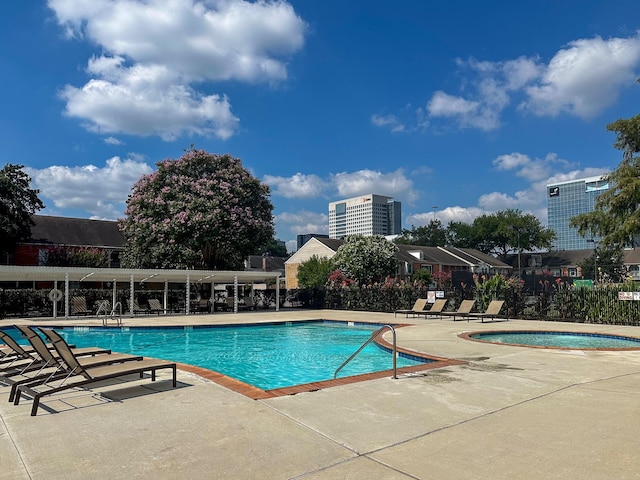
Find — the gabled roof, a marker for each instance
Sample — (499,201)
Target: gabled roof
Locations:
(475,257)
(332,243)
(77,232)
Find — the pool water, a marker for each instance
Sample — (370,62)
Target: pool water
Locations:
(266,356)
(559,339)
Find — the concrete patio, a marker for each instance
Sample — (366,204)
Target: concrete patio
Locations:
(505,413)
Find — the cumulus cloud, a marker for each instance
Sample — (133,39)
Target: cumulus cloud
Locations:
(296,186)
(585,78)
(393,184)
(581,79)
(101,191)
(155,55)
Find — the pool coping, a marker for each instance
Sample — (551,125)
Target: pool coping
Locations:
(469,336)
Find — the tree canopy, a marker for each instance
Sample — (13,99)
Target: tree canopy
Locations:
(498,234)
(432,235)
(314,272)
(18,202)
(616,215)
(366,259)
(202,210)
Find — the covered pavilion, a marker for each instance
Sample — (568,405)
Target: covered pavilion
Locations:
(62,276)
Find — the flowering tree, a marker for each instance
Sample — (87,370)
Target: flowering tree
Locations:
(366,259)
(200,211)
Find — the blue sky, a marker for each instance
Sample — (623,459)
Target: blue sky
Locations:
(454,108)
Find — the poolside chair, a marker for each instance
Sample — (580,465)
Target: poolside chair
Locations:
(136,308)
(52,368)
(418,307)
(464,310)
(247,303)
(79,376)
(436,308)
(154,306)
(492,311)
(16,356)
(79,306)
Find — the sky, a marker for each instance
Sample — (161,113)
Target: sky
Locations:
(456,109)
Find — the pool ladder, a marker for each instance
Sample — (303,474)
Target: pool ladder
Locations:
(115,314)
(371,338)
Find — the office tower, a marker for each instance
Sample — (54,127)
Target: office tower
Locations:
(365,215)
(566,200)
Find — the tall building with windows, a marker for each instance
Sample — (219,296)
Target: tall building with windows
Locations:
(566,200)
(365,215)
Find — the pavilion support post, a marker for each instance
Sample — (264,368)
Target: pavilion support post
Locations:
(187,301)
(131,295)
(235,294)
(66,295)
(165,297)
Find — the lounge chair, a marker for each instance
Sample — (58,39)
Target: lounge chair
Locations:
(154,306)
(464,310)
(418,308)
(52,368)
(247,303)
(203,306)
(137,308)
(16,356)
(79,306)
(80,376)
(492,311)
(436,307)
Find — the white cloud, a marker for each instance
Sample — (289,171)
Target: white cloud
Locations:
(157,53)
(297,186)
(113,141)
(528,168)
(586,77)
(582,80)
(101,191)
(392,184)
(388,121)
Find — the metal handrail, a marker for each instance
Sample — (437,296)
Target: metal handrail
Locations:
(371,338)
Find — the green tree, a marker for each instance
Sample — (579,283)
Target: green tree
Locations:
(432,235)
(609,262)
(461,235)
(503,232)
(200,211)
(366,259)
(18,202)
(314,273)
(616,215)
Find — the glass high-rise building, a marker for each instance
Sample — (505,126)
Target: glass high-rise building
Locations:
(566,200)
(365,215)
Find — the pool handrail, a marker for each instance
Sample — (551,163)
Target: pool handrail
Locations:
(371,338)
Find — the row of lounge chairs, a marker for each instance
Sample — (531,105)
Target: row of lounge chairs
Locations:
(78,306)
(43,369)
(465,310)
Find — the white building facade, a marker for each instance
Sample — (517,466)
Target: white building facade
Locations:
(365,215)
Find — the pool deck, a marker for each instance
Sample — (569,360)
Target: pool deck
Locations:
(504,412)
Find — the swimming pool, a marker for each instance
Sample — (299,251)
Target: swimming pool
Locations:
(267,356)
(555,339)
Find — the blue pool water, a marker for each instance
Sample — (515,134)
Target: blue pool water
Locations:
(266,356)
(559,339)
